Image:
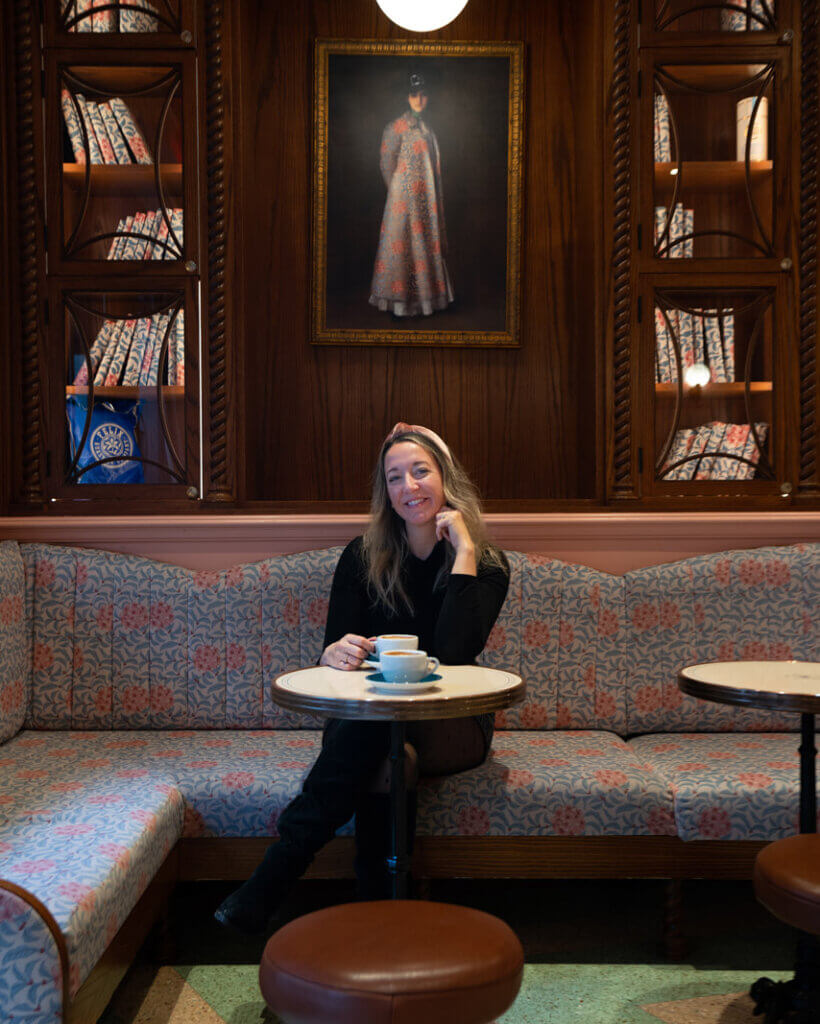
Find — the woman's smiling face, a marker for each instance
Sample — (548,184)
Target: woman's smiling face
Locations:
(414,483)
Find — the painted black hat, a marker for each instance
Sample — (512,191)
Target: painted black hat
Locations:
(416,81)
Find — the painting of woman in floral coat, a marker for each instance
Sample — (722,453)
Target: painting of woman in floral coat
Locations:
(410,276)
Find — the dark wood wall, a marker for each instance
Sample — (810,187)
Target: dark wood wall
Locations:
(526,422)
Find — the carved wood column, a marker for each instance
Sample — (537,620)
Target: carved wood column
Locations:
(808,480)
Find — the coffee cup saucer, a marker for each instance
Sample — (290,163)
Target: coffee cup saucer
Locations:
(378,682)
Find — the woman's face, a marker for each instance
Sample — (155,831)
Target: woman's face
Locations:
(417,101)
(414,484)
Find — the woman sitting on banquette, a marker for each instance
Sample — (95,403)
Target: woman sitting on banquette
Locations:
(424,567)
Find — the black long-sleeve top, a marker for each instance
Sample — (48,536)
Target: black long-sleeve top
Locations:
(451,622)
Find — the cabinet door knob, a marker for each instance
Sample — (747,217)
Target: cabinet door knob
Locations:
(787,37)
(786,263)
(186,35)
(190,266)
(192,493)
(786,489)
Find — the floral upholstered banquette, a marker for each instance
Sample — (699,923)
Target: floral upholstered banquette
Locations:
(135,709)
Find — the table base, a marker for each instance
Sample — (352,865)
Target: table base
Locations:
(796,1001)
(398,863)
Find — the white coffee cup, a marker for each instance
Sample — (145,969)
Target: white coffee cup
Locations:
(391,642)
(403,666)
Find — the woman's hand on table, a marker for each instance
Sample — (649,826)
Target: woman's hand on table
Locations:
(348,653)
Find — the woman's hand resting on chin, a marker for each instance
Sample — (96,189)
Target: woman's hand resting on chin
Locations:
(347,653)
(451,526)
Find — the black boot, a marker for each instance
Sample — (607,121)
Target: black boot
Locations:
(373,835)
(249,909)
(351,752)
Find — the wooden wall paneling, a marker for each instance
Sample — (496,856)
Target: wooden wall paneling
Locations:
(6,315)
(809,350)
(31,425)
(519,419)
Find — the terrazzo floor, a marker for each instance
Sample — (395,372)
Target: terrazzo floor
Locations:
(592,954)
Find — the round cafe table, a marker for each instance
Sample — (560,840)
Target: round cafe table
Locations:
(459,691)
(779,686)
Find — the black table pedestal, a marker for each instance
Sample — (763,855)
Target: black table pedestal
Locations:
(398,863)
(797,1001)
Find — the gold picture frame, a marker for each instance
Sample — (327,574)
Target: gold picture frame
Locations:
(448,271)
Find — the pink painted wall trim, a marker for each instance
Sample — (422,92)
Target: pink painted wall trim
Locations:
(612,542)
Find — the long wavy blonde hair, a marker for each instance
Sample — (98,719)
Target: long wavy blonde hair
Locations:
(385,540)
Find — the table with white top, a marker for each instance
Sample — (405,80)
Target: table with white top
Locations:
(457,691)
(779,686)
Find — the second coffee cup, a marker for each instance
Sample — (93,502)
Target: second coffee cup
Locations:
(407,666)
(392,642)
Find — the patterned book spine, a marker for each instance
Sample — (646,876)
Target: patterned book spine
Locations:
(680,448)
(98,347)
(93,145)
(176,227)
(688,231)
(150,229)
(663,369)
(155,370)
(734,443)
(728,344)
(121,239)
(706,468)
(145,369)
(84,13)
(660,224)
(131,375)
(113,342)
(118,144)
(130,130)
(137,21)
(112,248)
(673,344)
(698,339)
(72,123)
(180,347)
(752,453)
(699,442)
(677,251)
(162,235)
(686,337)
(133,246)
(663,137)
(714,348)
(120,357)
(172,353)
(106,149)
(102,21)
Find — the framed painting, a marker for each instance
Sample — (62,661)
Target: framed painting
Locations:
(416,234)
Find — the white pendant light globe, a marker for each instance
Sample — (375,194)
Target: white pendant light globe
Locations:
(422,15)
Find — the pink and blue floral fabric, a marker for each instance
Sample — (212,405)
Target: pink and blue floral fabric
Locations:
(31,970)
(14,660)
(734,606)
(727,787)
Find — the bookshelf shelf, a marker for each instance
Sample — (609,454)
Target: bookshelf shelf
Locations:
(711,175)
(717,77)
(736,389)
(127,392)
(125,179)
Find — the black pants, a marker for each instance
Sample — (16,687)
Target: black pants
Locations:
(352,753)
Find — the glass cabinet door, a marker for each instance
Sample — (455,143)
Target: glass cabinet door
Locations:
(703,16)
(718,372)
(128,367)
(120,154)
(119,22)
(717,186)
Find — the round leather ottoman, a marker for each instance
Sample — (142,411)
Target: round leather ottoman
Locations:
(392,962)
(787,881)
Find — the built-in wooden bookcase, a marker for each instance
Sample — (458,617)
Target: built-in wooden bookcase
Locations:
(715,347)
(113,183)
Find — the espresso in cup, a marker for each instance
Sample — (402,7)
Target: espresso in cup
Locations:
(393,642)
(402,666)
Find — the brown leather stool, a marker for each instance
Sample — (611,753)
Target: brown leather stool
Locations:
(392,962)
(787,883)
